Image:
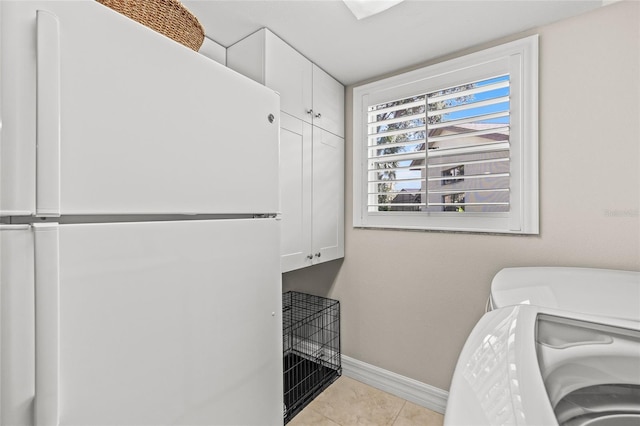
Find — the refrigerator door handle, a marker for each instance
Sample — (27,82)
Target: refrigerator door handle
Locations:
(47,324)
(48,115)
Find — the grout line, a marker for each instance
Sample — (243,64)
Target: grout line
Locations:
(327,418)
(398,415)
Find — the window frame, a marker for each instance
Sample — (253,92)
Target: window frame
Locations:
(523,217)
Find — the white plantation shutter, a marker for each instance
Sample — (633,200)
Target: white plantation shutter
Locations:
(396,154)
(468,138)
(444,151)
(452,146)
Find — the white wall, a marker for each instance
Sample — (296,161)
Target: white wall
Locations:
(409,299)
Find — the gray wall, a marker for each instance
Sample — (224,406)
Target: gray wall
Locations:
(409,299)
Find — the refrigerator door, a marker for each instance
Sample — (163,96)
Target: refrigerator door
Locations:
(17,345)
(172,323)
(102,115)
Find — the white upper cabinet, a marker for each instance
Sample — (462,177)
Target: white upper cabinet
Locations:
(311,147)
(328,102)
(296,174)
(115,118)
(290,74)
(311,194)
(328,196)
(307,92)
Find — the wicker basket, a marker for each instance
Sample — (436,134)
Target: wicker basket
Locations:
(168,17)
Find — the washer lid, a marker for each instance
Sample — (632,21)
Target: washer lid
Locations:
(497,379)
(604,292)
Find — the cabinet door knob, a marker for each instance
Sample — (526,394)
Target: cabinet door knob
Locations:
(310,111)
(318,115)
(310,257)
(318,254)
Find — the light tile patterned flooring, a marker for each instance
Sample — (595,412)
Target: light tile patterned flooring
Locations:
(348,402)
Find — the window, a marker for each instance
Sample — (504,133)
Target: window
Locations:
(451,176)
(452,146)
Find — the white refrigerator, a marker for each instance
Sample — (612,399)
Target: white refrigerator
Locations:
(139,235)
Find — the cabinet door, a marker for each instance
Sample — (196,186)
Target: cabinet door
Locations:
(328,102)
(288,73)
(328,196)
(295,193)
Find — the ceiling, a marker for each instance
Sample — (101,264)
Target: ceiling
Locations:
(412,32)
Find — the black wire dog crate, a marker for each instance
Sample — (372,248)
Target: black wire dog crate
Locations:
(311,344)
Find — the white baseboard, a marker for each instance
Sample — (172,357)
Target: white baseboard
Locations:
(412,390)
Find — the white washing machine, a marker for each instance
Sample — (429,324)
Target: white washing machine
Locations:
(543,357)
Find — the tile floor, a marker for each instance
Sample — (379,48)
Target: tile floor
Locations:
(348,402)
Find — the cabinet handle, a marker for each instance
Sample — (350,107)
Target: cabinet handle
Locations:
(310,257)
(318,254)
(318,115)
(310,111)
